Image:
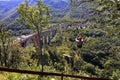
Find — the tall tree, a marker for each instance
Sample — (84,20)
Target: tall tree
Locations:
(10,51)
(4,46)
(35,17)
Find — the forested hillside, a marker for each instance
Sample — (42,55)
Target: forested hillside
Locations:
(98,23)
(8,13)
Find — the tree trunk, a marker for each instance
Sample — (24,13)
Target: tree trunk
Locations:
(40,46)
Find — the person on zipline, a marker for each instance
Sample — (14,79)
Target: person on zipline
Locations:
(79,41)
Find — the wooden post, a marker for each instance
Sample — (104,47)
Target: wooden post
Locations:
(62,76)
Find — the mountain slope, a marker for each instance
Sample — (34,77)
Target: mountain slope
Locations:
(8,12)
(8,8)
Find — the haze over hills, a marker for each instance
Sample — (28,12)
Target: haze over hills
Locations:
(8,7)
(8,13)
(60,10)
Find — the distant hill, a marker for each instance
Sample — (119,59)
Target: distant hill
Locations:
(8,13)
(8,7)
(56,3)
(60,10)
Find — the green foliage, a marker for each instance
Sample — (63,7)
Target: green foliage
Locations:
(99,56)
(36,17)
(33,16)
(108,12)
(4,46)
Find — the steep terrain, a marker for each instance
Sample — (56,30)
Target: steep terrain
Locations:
(8,14)
(8,8)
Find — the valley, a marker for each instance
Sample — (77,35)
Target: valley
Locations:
(36,37)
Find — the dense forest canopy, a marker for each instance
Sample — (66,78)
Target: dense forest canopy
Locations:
(98,22)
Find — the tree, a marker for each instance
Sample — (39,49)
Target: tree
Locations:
(10,51)
(4,46)
(108,12)
(35,17)
(105,12)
